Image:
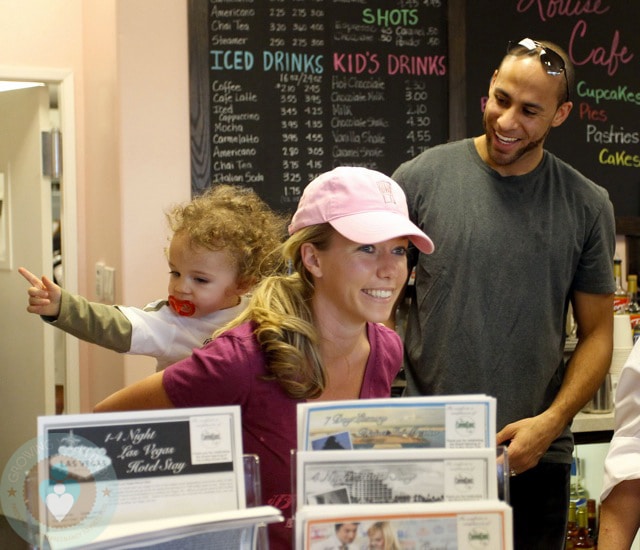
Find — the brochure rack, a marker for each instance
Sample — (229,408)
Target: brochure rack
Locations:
(236,529)
(161,479)
(428,467)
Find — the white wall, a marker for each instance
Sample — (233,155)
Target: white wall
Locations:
(153,87)
(146,87)
(129,60)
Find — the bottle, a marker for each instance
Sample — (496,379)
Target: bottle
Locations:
(632,292)
(633,307)
(620,296)
(572,527)
(577,492)
(592,520)
(583,540)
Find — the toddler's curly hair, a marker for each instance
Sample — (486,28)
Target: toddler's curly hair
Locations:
(234,219)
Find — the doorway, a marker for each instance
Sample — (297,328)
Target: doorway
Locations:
(27,346)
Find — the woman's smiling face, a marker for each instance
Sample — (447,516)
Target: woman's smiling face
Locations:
(360,282)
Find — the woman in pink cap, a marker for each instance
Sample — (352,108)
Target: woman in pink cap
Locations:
(315,333)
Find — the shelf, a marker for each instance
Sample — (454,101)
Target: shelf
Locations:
(592,427)
(592,422)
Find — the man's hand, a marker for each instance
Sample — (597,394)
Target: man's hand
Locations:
(528,440)
(44,294)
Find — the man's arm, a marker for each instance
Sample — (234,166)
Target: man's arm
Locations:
(591,358)
(589,363)
(620,516)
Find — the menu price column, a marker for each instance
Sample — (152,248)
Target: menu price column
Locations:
(301,86)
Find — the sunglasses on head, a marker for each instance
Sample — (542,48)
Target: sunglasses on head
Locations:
(552,61)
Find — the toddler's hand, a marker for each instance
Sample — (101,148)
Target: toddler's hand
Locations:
(44,294)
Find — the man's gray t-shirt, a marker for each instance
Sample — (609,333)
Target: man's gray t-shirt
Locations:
(490,306)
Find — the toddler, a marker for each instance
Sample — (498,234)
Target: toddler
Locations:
(221,244)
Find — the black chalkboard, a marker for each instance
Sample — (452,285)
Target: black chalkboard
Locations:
(601,138)
(284,90)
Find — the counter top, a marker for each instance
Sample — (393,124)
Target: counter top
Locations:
(592,427)
(592,422)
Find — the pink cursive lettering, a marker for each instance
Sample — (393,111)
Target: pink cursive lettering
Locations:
(609,58)
(567,8)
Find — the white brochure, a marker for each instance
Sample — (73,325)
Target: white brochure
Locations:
(453,422)
(101,469)
(395,476)
(474,525)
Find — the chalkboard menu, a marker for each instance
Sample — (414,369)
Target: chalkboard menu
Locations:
(601,138)
(282,90)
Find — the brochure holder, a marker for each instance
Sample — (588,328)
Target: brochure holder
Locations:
(160,476)
(444,447)
(254,499)
(503,469)
(237,529)
(253,488)
(252,483)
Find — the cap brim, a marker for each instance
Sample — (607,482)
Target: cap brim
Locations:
(376,227)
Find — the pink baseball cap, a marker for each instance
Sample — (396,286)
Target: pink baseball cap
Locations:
(363,205)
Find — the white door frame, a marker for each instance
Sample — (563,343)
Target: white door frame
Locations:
(66,104)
